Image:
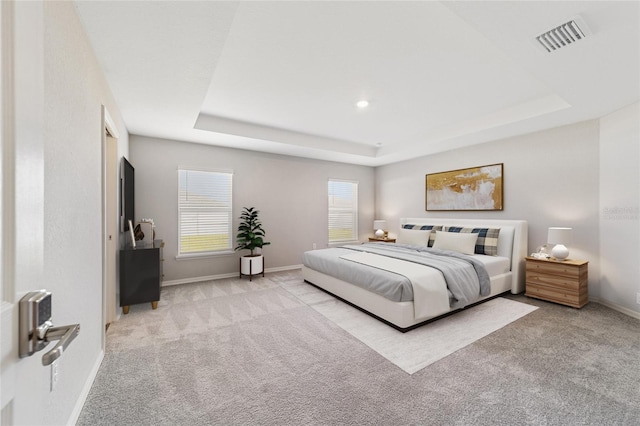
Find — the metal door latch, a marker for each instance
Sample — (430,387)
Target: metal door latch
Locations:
(37,330)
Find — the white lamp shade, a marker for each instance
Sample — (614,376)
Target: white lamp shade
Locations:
(379,224)
(559,237)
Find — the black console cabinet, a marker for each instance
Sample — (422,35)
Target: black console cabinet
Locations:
(140,274)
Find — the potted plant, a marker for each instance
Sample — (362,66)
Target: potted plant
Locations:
(251,237)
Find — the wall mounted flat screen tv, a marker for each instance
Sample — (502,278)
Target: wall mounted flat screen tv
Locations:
(127,195)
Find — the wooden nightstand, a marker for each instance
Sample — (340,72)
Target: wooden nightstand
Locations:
(558,281)
(382,240)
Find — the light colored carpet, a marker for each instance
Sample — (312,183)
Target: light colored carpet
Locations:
(231,352)
(418,348)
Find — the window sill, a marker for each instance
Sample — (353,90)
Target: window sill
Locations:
(211,254)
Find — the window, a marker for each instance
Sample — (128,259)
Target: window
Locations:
(343,211)
(204,212)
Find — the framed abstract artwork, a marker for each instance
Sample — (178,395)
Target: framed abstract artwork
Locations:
(474,188)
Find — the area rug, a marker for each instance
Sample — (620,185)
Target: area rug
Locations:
(418,348)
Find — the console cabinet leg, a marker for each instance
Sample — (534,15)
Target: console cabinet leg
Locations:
(154,305)
(125,309)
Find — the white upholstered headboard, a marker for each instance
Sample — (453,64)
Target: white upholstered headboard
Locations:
(512,240)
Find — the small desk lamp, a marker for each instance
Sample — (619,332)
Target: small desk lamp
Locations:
(559,237)
(379,226)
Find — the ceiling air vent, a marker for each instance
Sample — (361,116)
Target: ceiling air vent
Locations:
(563,35)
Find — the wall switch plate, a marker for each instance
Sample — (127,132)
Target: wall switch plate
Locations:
(314,247)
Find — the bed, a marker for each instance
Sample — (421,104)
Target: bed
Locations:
(392,282)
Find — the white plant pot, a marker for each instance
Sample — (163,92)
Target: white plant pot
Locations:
(251,265)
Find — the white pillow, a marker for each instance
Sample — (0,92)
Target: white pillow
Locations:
(461,242)
(416,237)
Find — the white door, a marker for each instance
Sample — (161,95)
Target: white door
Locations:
(22,235)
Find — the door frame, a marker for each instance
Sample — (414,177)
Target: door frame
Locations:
(109,131)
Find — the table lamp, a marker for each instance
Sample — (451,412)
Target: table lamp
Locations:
(559,238)
(379,226)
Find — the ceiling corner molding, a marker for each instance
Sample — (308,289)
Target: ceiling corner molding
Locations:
(229,126)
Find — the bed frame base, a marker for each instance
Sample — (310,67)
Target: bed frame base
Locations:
(399,315)
(411,327)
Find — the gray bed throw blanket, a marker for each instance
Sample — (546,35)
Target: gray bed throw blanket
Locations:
(463,274)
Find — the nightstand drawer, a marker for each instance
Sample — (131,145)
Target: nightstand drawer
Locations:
(571,298)
(563,283)
(555,269)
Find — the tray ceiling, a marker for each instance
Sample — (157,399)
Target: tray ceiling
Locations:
(285,77)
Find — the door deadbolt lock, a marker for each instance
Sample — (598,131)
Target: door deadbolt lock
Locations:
(37,330)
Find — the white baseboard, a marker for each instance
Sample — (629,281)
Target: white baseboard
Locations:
(615,307)
(77,409)
(197,279)
(222,276)
(283,268)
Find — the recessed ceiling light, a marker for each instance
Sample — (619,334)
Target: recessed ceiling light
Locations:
(362,104)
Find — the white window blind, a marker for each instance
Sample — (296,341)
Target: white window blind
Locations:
(343,210)
(204,211)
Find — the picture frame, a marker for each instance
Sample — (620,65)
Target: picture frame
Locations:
(478,188)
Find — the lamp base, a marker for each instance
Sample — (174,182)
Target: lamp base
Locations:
(560,252)
(379,233)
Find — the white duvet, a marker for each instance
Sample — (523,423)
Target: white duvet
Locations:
(430,294)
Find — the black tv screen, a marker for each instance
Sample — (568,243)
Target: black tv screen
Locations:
(127,195)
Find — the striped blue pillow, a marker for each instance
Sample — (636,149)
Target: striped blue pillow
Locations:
(487,242)
(432,236)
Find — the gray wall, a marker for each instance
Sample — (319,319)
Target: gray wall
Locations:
(75,90)
(290,192)
(620,207)
(551,178)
